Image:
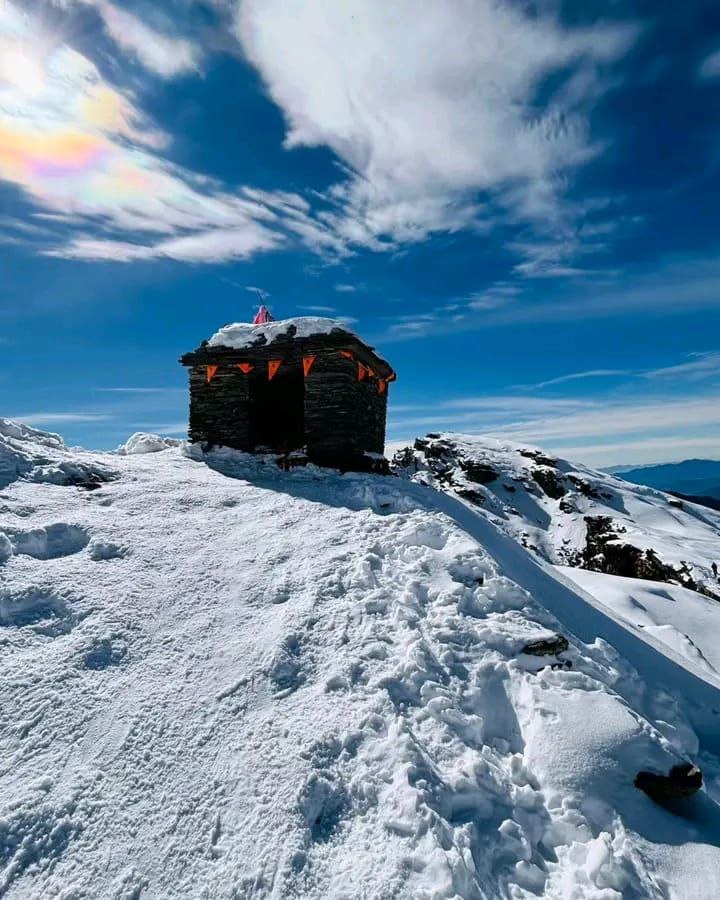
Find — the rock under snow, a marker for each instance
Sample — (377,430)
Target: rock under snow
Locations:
(239,335)
(141,442)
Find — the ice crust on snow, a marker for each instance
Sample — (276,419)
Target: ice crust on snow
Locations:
(240,335)
(220,679)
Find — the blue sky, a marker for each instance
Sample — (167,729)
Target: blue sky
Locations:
(516,202)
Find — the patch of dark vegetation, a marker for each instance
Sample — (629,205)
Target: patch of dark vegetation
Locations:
(404,459)
(604,552)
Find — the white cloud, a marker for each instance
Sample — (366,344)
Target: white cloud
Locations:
(345,288)
(710,67)
(47,418)
(602,431)
(163,54)
(88,159)
(431,105)
(213,245)
(581,376)
(318,309)
(643,451)
(640,416)
(699,367)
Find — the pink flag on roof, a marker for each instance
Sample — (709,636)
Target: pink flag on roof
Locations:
(262,316)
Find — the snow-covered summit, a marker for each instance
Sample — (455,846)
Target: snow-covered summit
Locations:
(224,680)
(240,335)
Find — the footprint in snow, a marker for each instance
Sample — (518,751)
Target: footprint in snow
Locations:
(104,653)
(42,611)
(51,542)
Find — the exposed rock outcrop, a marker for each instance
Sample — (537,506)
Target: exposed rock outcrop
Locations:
(681,782)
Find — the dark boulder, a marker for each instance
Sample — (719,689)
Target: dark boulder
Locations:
(549,646)
(682,781)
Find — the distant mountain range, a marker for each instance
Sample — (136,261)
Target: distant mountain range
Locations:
(698,478)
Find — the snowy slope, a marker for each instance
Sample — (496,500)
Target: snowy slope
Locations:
(222,680)
(683,619)
(573,515)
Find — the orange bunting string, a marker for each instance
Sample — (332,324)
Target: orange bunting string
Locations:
(308,364)
(362,372)
(347,354)
(382,386)
(210,373)
(273,366)
(246,368)
(371,372)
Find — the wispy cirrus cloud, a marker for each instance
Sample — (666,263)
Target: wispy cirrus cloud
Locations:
(435,109)
(167,55)
(50,418)
(698,367)
(582,376)
(91,161)
(675,287)
(602,431)
(438,128)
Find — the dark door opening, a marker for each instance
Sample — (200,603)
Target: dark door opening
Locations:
(277,409)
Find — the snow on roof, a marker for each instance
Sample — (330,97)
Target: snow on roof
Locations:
(239,335)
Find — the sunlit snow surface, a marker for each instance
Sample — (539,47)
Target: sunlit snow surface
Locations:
(239,335)
(223,680)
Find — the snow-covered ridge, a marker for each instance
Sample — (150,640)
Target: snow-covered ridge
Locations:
(220,679)
(574,515)
(240,335)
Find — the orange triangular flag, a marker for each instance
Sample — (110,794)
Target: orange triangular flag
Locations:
(346,353)
(245,367)
(371,372)
(308,364)
(382,386)
(362,372)
(210,373)
(273,366)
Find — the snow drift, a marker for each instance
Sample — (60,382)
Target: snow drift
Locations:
(222,680)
